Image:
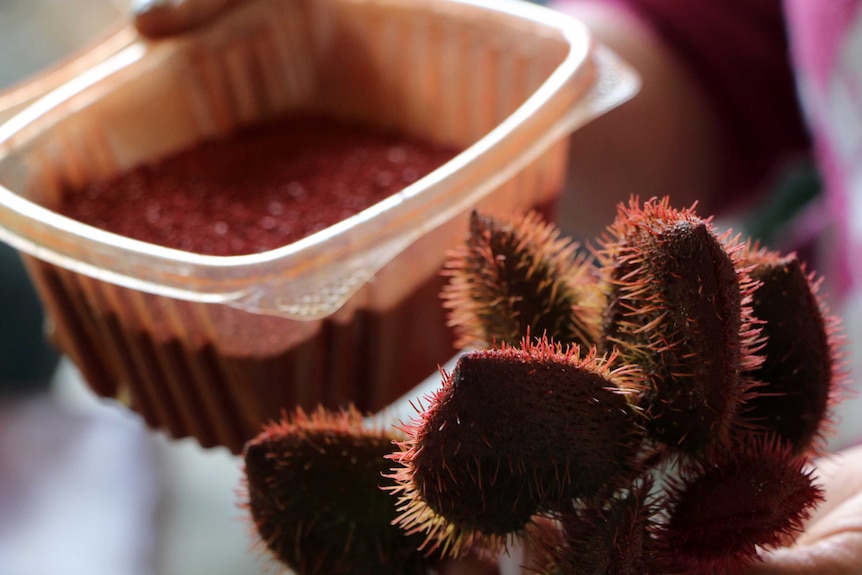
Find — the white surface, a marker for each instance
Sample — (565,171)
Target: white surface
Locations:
(86,489)
(77,492)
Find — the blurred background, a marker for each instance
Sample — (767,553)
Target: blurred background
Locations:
(37,34)
(84,487)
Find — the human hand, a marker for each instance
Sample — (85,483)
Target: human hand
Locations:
(830,545)
(832,541)
(160,18)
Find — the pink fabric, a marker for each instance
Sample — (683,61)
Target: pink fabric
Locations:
(828,72)
(817,31)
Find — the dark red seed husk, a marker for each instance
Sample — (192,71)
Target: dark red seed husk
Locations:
(723,509)
(675,309)
(799,369)
(314,486)
(518,276)
(604,537)
(514,432)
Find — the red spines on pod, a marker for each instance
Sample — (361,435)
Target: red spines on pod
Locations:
(314,491)
(513,432)
(610,537)
(721,510)
(678,307)
(800,374)
(517,275)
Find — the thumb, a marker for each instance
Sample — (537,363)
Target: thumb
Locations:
(840,554)
(160,18)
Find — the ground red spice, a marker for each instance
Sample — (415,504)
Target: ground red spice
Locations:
(261,188)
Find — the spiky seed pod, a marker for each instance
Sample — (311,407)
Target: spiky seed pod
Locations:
(801,371)
(543,541)
(518,275)
(511,432)
(721,510)
(610,537)
(679,308)
(313,484)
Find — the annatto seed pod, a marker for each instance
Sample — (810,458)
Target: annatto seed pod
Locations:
(513,432)
(722,509)
(314,491)
(801,374)
(519,275)
(611,536)
(679,308)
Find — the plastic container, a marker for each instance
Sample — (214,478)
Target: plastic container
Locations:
(212,347)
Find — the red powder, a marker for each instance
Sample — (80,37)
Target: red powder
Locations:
(261,188)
